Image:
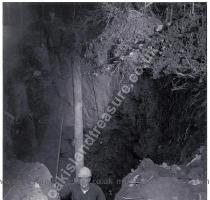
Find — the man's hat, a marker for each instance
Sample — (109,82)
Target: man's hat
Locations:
(84,172)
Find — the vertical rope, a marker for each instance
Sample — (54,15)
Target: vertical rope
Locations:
(94,92)
(59,144)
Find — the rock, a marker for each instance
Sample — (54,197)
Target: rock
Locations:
(165,166)
(195,172)
(33,182)
(160,188)
(170,187)
(147,163)
(37,73)
(159,28)
(195,182)
(164,182)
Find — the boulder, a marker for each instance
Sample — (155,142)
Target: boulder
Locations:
(163,182)
(33,181)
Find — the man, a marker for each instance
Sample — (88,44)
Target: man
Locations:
(84,190)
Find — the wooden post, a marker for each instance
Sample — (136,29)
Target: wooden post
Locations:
(78,102)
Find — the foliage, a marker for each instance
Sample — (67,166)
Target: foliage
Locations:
(171,129)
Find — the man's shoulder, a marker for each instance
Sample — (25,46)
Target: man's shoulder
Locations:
(75,186)
(95,187)
(98,191)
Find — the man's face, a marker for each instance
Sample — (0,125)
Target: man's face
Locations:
(84,182)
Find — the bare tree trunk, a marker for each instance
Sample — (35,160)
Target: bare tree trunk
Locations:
(171,14)
(184,8)
(78,119)
(193,8)
(167,15)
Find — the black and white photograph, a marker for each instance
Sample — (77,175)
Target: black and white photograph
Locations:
(104,100)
